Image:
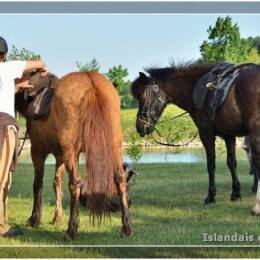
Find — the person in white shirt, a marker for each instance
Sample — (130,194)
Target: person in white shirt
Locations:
(9,72)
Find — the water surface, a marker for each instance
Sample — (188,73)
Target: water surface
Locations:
(156,155)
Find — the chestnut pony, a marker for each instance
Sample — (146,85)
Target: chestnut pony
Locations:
(84,117)
(238,116)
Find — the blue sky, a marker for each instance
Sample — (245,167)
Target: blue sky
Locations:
(134,41)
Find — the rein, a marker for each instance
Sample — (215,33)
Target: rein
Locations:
(172,118)
(24,138)
(168,144)
(174,145)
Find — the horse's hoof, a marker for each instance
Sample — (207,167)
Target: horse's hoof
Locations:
(127,231)
(57,220)
(67,237)
(33,222)
(70,235)
(255,211)
(235,196)
(209,200)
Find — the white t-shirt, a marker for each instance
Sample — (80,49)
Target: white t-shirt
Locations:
(9,71)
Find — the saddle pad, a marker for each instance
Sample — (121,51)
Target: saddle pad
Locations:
(221,78)
(40,96)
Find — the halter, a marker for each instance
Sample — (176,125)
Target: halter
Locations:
(151,92)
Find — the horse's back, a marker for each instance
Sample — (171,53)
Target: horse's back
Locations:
(71,91)
(73,87)
(242,103)
(248,93)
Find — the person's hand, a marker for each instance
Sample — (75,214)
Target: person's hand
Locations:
(43,71)
(23,85)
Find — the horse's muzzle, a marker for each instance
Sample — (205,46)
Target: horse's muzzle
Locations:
(144,127)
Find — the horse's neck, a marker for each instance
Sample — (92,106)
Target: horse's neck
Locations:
(182,86)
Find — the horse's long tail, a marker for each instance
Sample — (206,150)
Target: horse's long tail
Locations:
(97,142)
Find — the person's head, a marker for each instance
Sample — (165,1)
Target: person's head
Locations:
(3,49)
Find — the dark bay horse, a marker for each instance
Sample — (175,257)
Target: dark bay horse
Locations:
(238,116)
(84,117)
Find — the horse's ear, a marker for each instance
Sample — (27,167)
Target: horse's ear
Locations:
(142,75)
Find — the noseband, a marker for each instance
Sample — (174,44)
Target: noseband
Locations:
(152,92)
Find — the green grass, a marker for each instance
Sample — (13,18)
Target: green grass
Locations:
(167,209)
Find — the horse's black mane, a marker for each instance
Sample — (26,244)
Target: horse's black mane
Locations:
(191,66)
(162,75)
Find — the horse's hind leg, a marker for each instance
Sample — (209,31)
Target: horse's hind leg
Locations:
(58,187)
(71,165)
(38,159)
(121,184)
(246,146)
(254,187)
(232,165)
(254,139)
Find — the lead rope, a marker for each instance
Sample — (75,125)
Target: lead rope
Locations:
(24,138)
(168,144)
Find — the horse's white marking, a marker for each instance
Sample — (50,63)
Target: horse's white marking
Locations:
(256,208)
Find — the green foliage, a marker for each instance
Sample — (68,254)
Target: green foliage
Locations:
(220,146)
(255,42)
(224,43)
(92,65)
(134,148)
(22,54)
(118,75)
(253,56)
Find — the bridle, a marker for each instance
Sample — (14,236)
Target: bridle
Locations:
(151,93)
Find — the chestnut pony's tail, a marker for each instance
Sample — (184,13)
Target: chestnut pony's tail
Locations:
(97,142)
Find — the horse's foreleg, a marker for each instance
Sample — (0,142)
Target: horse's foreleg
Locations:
(74,187)
(121,185)
(232,165)
(58,187)
(209,145)
(38,163)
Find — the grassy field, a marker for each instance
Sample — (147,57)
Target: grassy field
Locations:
(167,209)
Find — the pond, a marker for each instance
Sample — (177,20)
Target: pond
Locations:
(157,155)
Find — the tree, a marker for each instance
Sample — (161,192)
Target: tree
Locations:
(255,42)
(117,75)
(22,54)
(253,56)
(92,65)
(224,43)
